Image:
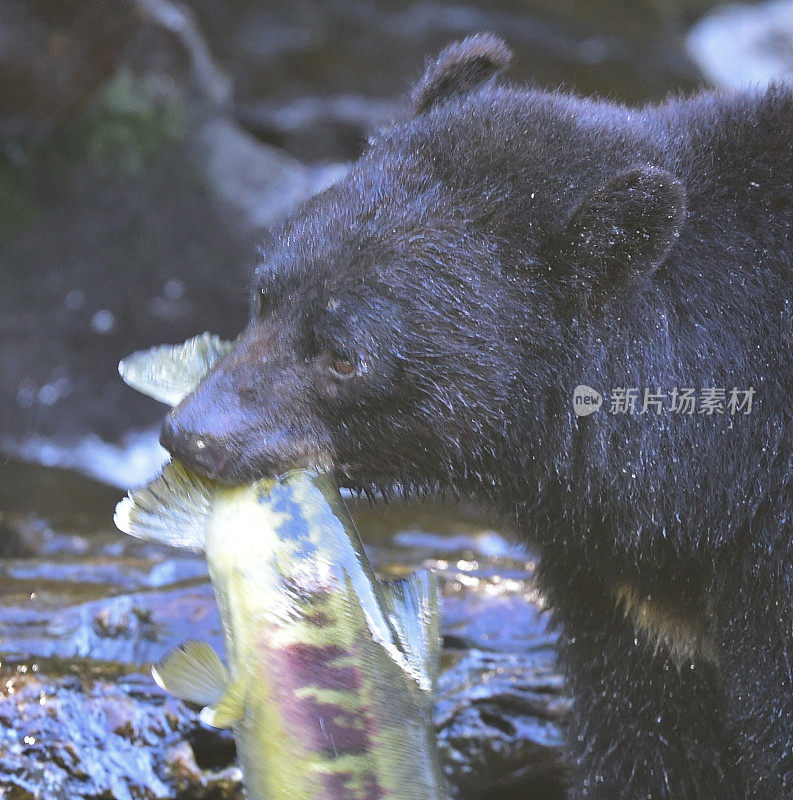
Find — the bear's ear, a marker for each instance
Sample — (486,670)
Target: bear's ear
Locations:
(459,68)
(622,232)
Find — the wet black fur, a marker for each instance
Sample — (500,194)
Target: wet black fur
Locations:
(485,256)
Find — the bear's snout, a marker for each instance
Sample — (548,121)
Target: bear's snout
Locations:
(225,448)
(246,421)
(210,431)
(194,448)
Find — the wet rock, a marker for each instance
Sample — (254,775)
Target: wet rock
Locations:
(745,45)
(44,618)
(78,736)
(86,733)
(498,718)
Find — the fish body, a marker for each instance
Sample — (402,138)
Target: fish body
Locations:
(330,671)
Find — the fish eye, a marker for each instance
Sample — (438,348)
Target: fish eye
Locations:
(342,365)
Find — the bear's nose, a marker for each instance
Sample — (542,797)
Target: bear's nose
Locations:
(197,450)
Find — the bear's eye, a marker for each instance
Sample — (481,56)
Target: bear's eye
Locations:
(342,365)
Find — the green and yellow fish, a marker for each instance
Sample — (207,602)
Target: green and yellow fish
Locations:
(331,670)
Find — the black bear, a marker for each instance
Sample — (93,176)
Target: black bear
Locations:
(451,314)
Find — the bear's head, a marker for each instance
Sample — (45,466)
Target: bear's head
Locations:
(414,325)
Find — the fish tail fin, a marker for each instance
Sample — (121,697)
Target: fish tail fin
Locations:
(417,607)
(172,509)
(169,373)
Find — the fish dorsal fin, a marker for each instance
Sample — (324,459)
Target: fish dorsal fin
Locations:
(417,621)
(169,373)
(172,509)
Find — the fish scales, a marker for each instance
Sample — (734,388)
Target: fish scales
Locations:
(317,699)
(333,687)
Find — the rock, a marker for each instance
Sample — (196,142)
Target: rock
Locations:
(77,736)
(745,45)
(316,127)
(179,20)
(500,702)
(87,734)
(261,183)
(45,618)
(498,718)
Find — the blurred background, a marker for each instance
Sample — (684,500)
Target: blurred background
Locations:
(144,146)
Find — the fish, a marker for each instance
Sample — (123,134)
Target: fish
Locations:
(331,671)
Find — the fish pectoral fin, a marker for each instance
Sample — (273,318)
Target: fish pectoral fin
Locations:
(417,608)
(229,710)
(193,672)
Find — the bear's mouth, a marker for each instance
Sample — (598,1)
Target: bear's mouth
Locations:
(240,456)
(231,469)
(315,461)
(377,486)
